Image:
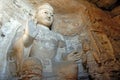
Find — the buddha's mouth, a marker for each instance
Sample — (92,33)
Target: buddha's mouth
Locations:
(48,19)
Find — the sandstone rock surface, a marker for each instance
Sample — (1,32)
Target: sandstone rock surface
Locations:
(76,18)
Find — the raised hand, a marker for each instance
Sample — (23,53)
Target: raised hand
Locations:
(31,29)
(30,33)
(74,56)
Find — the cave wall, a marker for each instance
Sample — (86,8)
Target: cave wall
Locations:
(13,16)
(78,21)
(101,28)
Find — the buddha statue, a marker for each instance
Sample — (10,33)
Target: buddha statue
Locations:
(43,44)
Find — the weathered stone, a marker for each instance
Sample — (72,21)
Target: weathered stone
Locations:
(103,3)
(31,69)
(77,17)
(116,11)
(44,42)
(67,71)
(117,19)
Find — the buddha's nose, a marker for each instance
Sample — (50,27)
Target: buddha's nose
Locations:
(49,18)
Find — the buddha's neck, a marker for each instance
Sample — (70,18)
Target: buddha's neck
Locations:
(43,26)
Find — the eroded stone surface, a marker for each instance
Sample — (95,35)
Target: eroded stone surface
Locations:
(103,3)
(78,18)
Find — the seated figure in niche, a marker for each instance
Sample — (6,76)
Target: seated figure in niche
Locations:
(43,44)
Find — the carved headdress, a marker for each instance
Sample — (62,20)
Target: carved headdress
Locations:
(46,6)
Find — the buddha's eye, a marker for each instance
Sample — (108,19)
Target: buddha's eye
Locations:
(52,14)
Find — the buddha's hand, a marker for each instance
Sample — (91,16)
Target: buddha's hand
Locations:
(31,29)
(73,56)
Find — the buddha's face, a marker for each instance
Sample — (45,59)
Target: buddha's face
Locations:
(45,17)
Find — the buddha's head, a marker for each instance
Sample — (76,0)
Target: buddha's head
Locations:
(44,15)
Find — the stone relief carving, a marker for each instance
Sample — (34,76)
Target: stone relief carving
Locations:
(103,46)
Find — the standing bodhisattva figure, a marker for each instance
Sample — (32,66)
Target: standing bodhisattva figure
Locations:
(43,44)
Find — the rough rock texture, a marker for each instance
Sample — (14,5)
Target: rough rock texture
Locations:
(116,11)
(115,14)
(103,3)
(31,69)
(66,72)
(78,21)
(97,26)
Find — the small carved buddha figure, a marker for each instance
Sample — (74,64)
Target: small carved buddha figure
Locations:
(43,44)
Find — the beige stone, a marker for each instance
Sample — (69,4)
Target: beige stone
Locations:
(31,69)
(67,71)
(44,46)
(44,10)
